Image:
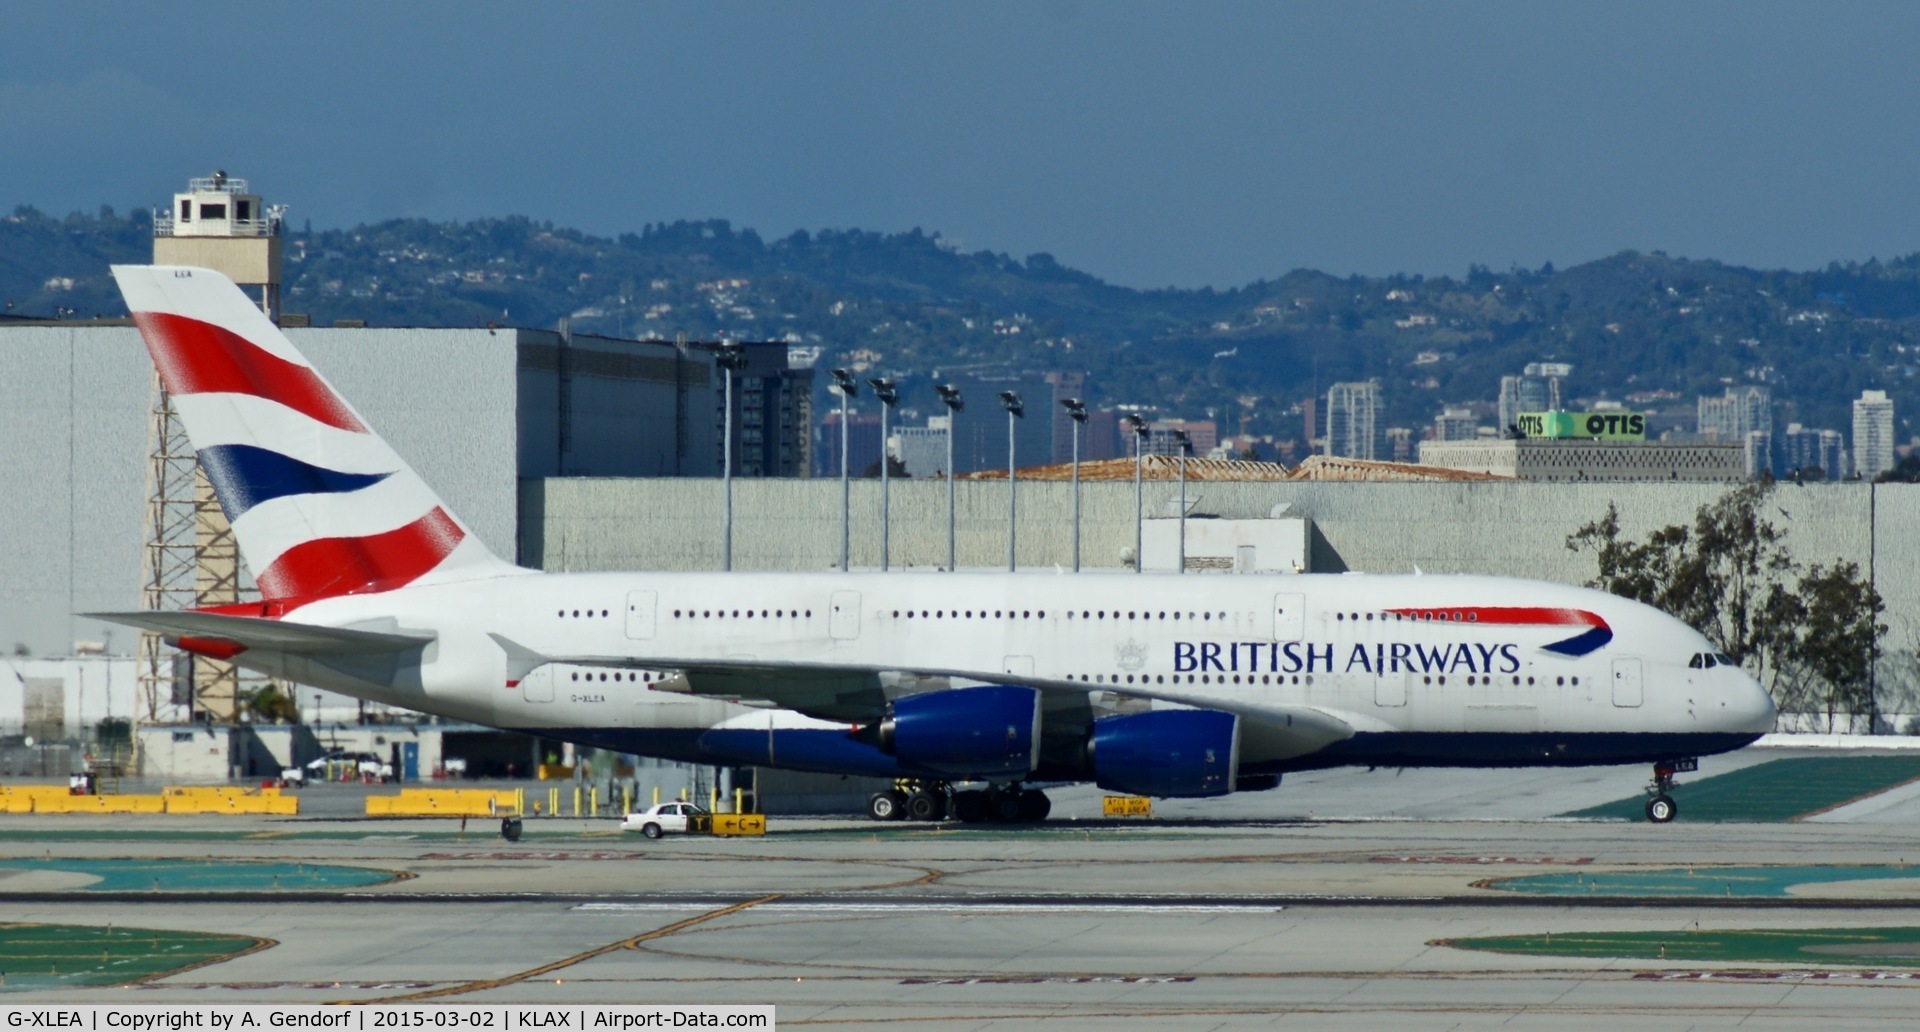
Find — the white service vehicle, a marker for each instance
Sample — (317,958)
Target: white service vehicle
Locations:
(661,818)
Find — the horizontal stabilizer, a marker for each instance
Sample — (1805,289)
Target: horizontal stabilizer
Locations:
(267,635)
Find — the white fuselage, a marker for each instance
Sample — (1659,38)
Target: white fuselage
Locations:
(1388,655)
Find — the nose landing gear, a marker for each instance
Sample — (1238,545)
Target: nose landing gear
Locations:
(1661,808)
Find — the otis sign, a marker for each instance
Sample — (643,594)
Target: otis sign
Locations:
(1604,426)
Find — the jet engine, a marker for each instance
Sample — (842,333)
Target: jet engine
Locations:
(1167,753)
(984,732)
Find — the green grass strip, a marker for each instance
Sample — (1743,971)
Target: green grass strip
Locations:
(1859,947)
(180,875)
(38,956)
(1733,882)
(1778,790)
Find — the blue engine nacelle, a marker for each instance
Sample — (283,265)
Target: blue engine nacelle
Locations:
(1167,753)
(984,732)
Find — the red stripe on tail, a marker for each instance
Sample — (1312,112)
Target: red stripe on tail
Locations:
(197,357)
(347,566)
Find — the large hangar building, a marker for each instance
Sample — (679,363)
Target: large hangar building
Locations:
(476,411)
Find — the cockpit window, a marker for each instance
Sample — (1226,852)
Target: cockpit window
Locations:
(1700,661)
(1725,660)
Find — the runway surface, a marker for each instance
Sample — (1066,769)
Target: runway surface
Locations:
(1217,916)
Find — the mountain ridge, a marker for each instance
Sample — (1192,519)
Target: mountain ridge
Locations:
(911,304)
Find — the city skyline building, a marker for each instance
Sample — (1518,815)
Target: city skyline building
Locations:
(772,413)
(1456,424)
(863,444)
(1873,442)
(1400,444)
(1536,389)
(1802,449)
(1735,414)
(1353,413)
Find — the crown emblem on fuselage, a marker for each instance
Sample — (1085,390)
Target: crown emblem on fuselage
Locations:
(1130,655)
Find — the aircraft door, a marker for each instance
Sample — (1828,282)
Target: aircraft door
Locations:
(843,615)
(1390,690)
(1626,682)
(1289,617)
(642,606)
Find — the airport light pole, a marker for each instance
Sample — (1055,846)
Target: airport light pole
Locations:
(732,357)
(843,382)
(1077,411)
(1011,401)
(889,396)
(1186,448)
(1139,428)
(950,397)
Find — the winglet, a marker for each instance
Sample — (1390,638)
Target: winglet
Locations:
(521,660)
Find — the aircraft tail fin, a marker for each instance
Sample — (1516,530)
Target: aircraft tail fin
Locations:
(320,504)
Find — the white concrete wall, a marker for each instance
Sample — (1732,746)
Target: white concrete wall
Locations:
(1515,529)
(186,755)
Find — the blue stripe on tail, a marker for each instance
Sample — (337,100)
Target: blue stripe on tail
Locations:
(244,476)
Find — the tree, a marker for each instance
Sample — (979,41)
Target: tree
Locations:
(1906,471)
(1838,637)
(1811,637)
(271,705)
(1713,576)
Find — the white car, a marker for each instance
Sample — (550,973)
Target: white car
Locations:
(657,820)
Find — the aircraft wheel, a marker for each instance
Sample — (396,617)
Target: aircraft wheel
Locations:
(886,806)
(510,829)
(1661,808)
(925,806)
(1005,807)
(1034,805)
(970,806)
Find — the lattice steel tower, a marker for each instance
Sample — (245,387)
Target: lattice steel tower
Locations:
(191,556)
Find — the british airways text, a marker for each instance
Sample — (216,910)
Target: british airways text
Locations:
(1293,657)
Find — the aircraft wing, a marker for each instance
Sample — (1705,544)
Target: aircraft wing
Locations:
(857,695)
(1267,732)
(252,632)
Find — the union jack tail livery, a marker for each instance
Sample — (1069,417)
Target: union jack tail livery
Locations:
(320,505)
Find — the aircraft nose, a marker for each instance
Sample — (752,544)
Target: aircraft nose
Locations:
(1749,708)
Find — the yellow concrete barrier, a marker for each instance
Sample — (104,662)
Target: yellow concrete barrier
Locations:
(240,804)
(101,804)
(26,798)
(229,799)
(739,824)
(1126,806)
(445,802)
(193,799)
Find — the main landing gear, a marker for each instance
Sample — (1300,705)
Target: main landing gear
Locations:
(917,800)
(1661,808)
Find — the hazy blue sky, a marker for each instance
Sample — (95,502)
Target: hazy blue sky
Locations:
(1153,144)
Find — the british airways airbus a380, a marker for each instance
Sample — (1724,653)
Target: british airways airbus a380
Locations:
(1156,685)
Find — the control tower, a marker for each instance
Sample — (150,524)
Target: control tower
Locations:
(192,559)
(216,224)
